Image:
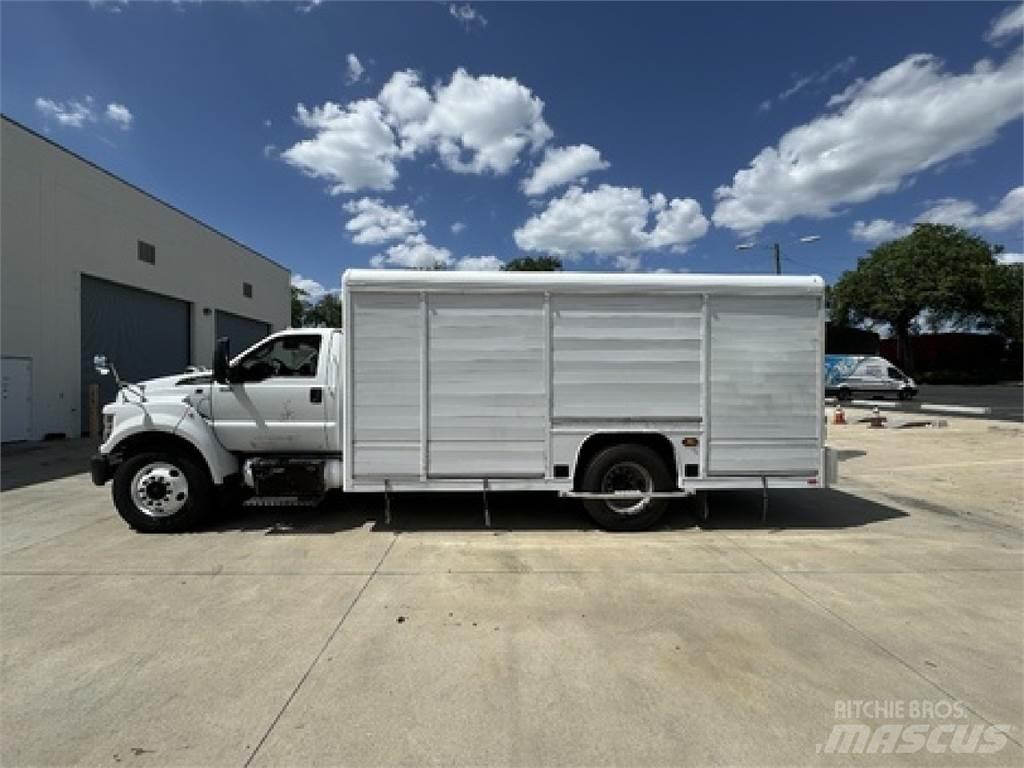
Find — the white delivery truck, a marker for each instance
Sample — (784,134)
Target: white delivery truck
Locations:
(623,390)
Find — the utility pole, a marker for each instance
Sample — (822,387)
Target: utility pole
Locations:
(777,249)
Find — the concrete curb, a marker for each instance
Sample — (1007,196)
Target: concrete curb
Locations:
(970,409)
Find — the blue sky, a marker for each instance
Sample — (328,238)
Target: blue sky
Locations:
(619,136)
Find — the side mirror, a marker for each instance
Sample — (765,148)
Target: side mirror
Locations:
(100,364)
(221,355)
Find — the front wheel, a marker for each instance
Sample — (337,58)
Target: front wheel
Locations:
(160,492)
(626,468)
(845,395)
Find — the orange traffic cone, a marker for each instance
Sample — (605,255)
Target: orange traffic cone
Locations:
(839,415)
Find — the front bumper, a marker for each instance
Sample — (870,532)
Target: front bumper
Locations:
(100,469)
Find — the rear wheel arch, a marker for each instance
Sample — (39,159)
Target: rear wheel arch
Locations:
(599,441)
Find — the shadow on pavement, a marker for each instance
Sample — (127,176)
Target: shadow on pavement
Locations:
(795,510)
(23,464)
(539,511)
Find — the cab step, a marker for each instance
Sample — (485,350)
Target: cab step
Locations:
(282,501)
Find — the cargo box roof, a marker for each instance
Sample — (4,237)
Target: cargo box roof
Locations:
(585,282)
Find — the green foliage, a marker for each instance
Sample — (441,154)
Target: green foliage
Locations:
(533,264)
(326,313)
(298,307)
(1003,311)
(939,268)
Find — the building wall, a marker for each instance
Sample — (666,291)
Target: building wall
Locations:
(62,218)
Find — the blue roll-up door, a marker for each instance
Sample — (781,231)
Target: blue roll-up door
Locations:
(143,334)
(243,331)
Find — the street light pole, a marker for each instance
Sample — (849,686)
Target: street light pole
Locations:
(777,249)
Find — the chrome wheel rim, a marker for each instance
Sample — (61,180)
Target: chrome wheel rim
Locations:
(627,476)
(159,489)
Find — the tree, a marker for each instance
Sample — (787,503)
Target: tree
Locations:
(939,268)
(326,313)
(1004,301)
(298,306)
(533,264)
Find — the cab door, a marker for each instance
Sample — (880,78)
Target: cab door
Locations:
(274,399)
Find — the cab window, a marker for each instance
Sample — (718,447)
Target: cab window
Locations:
(290,356)
(894,373)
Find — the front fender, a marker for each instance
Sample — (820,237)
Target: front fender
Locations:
(186,424)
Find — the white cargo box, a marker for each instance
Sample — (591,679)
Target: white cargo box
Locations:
(457,377)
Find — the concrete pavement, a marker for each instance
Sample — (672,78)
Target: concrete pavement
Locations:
(296,637)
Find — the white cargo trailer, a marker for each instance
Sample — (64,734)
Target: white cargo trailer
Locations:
(623,390)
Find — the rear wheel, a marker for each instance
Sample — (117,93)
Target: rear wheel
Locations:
(160,492)
(623,468)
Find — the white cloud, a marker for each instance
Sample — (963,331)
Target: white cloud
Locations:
(354,69)
(307,6)
(479,264)
(267,123)
(111,6)
(476,125)
(878,230)
(1009,212)
(611,221)
(404,100)
(353,148)
(313,289)
(908,118)
(269,150)
(1008,24)
(120,115)
(1010,258)
(628,262)
(815,78)
(458,227)
(71,114)
(414,253)
(374,223)
(466,15)
(963,213)
(562,165)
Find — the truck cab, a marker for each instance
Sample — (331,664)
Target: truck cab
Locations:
(280,395)
(267,420)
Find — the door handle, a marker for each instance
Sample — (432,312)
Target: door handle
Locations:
(316,395)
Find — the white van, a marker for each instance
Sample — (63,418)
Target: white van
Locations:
(849,376)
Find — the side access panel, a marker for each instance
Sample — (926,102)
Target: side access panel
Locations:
(487,403)
(384,338)
(764,370)
(632,357)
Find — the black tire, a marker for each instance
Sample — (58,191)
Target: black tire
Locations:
(844,395)
(163,511)
(602,474)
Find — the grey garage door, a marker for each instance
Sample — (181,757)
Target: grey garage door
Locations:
(143,334)
(243,331)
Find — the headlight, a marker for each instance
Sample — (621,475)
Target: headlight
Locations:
(108,426)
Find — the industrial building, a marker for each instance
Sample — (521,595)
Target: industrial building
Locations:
(92,264)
